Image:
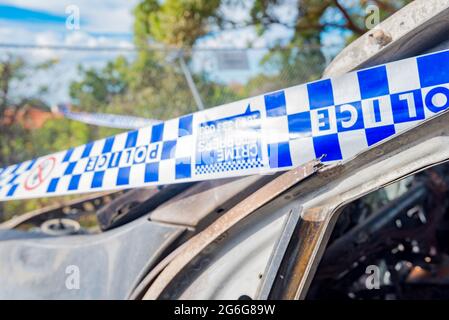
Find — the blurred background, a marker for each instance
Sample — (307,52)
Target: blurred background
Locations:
(154,59)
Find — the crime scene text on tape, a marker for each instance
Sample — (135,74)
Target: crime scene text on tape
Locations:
(334,118)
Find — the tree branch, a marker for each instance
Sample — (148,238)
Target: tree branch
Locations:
(385,6)
(350,23)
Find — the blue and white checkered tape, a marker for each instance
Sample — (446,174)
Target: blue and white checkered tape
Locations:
(336,117)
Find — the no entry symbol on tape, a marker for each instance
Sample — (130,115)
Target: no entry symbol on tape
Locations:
(40,173)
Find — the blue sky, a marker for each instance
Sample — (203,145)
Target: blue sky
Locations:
(104,23)
(111,18)
(13,13)
(35,18)
(43,22)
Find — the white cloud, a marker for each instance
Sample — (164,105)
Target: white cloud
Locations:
(97,16)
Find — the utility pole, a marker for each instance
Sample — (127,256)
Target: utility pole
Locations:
(190,82)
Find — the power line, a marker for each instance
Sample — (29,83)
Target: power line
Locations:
(63,47)
(122,49)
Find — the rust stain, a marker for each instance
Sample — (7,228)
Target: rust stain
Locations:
(183,255)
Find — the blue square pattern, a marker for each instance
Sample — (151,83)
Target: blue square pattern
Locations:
(108,143)
(320,94)
(433,69)
(328,147)
(70,167)
(374,135)
(183,168)
(131,139)
(74,182)
(299,125)
(13,179)
(12,190)
(168,149)
(87,150)
(52,185)
(279,155)
(403,110)
(349,116)
(152,172)
(373,82)
(123,176)
(185,126)
(156,132)
(67,155)
(97,180)
(275,104)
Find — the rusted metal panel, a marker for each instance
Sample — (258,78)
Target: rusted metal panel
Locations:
(199,242)
(208,199)
(234,265)
(279,253)
(295,264)
(425,19)
(333,187)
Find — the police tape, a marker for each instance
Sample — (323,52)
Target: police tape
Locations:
(334,118)
(107,120)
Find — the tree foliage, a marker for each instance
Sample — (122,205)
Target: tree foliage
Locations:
(182,23)
(17,143)
(173,22)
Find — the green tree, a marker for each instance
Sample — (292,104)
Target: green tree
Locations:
(14,96)
(173,22)
(182,23)
(18,143)
(153,86)
(295,59)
